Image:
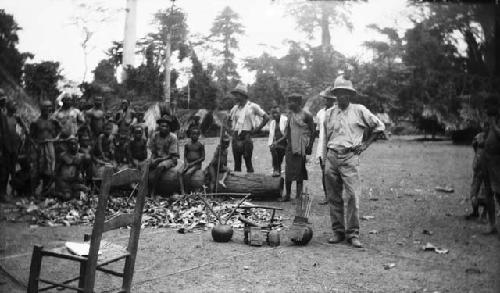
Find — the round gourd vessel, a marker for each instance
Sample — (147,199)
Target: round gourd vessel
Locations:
(222,233)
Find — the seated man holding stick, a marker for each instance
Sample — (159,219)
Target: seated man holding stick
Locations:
(164,151)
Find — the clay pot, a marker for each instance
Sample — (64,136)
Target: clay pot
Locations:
(222,233)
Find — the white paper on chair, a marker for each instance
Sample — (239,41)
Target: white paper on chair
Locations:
(79,248)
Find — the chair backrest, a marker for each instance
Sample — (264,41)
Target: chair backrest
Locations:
(120,179)
(134,220)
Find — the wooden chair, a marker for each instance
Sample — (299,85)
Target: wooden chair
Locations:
(100,254)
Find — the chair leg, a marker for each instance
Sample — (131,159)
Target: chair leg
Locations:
(35,267)
(127,275)
(81,280)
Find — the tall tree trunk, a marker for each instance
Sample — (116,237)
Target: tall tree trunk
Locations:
(129,36)
(166,87)
(475,62)
(325,31)
(85,63)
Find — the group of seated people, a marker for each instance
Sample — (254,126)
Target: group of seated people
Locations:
(69,148)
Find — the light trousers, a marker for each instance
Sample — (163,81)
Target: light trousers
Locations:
(341,174)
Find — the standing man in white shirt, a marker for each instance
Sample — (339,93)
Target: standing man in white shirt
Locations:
(344,127)
(329,100)
(277,139)
(242,118)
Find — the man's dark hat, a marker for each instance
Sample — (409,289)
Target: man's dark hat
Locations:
(165,119)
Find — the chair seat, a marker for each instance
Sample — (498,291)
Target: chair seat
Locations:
(107,251)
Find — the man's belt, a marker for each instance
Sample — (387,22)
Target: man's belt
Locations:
(343,151)
(242,135)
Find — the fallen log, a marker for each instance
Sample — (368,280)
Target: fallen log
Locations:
(259,185)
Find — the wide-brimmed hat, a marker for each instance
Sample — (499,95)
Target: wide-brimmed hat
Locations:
(240,89)
(343,84)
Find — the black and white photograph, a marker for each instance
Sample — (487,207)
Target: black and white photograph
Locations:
(250,146)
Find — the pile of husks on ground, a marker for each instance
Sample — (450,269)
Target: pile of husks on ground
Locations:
(185,213)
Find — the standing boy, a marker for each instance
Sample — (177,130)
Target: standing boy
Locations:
(329,100)
(277,139)
(299,144)
(218,165)
(194,153)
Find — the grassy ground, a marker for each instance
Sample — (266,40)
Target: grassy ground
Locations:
(398,181)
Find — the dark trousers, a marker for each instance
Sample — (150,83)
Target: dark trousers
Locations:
(7,169)
(243,147)
(277,154)
(488,165)
(322,165)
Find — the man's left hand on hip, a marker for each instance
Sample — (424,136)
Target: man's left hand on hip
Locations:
(360,148)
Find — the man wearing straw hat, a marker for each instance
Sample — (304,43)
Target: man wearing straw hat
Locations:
(243,116)
(344,127)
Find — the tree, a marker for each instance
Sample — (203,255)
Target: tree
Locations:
(226,28)
(311,15)
(475,24)
(266,90)
(104,73)
(146,79)
(265,63)
(171,36)
(115,54)
(386,52)
(11,60)
(202,88)
(40,80)
(88,18)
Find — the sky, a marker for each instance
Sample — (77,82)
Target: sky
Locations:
(48,33)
